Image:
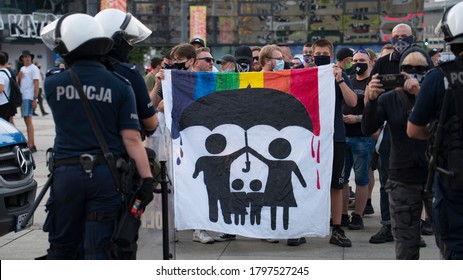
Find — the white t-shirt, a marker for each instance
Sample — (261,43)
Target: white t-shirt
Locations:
(5,81)
(30,73)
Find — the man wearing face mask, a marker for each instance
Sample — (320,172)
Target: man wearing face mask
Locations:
(184,57)
(323,54)
(401,40)
(344,58)
(227,63)
(408,164)
(271,58)
(243,58)
(358,146)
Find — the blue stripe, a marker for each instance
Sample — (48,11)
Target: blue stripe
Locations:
(205,84)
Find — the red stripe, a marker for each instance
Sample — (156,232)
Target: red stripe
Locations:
(304,86)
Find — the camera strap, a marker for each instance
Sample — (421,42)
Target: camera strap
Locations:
(406,103)
(96,128)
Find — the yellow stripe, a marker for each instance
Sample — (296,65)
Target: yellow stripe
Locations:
(252,79)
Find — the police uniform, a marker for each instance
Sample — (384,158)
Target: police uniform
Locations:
(144,104)
(448,198)
(76,194)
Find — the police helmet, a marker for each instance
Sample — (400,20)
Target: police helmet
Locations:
(76,35)
(452,24)
(119,25)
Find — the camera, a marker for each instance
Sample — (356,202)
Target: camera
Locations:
(391,81)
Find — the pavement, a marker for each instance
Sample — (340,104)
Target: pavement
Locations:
(32,243)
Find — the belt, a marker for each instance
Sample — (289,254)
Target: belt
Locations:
(97,159)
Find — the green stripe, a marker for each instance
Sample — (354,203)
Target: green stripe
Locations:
(226,81)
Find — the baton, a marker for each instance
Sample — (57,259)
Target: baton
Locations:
(37,201)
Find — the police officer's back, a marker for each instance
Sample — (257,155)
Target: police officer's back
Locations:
(440,102)
(126,31)
(84,204)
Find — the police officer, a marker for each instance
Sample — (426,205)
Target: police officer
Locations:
(83,205)
(443,87)
(126,31)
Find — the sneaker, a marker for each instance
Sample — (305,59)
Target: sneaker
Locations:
(422,243)
(345,220)
(44,114)
(225,237)
(296,241)
(369,208)
(33,149)
(338,237)
(426,227)
(356,222)
(200,235)
(382,236)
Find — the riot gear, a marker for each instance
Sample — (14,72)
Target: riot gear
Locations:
(76,35)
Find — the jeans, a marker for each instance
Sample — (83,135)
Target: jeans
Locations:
(358,156)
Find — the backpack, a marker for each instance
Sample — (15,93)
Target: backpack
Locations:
(16,97)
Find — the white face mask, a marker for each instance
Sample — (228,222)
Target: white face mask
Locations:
(280,65)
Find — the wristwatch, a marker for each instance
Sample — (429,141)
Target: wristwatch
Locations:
(341,81)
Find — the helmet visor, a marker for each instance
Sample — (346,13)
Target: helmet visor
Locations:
(47,35)
(135,32)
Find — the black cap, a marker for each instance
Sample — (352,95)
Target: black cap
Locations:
(226,58)
(434,51)
(199,41)
(344,53)
(243,52)
(26,52)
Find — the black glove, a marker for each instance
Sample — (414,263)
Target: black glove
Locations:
(145,194)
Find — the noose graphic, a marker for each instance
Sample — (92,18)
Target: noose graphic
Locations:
(248,163)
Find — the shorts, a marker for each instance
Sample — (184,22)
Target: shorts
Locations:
(358,156)
(337,181)
(26,108)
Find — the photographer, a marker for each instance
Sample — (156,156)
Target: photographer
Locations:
(408,164)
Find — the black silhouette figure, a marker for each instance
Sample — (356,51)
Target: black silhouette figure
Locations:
(238,203)
(279,188)
(217,175)
(255,200)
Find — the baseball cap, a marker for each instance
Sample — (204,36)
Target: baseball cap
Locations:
(199,41)
(344,53)
(226,58)
(434,51)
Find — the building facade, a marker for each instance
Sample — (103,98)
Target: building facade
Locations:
(228,23)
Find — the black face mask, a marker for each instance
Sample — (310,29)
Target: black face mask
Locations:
(167,66)
(180,66)
(401,44)
(322,60)
(360,68)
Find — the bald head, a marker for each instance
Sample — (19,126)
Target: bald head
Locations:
(401,30)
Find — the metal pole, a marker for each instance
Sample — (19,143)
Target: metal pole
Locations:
(165,212)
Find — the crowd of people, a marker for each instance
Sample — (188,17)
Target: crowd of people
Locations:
(378,125)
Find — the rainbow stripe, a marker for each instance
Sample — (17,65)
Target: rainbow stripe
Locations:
(301,83)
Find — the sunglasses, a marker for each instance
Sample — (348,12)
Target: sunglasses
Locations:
(207,59)
(276,58)
(362,51)
(418,68)
(255,58)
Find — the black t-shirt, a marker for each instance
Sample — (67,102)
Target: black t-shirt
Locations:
(355,130)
